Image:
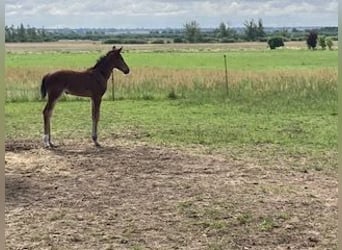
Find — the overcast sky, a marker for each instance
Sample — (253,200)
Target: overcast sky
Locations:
(162,13)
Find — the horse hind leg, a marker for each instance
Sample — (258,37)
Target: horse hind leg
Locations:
(47,113)
(96,103)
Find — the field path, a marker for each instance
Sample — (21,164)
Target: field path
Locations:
(138,196)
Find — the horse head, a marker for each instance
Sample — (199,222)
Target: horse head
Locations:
(117,60)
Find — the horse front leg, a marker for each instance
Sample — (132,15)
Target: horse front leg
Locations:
(96,103)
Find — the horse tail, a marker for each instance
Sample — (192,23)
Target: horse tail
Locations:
(43,87)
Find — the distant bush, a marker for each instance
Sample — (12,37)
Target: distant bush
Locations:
(262,39)
(207,40)
(297,39)
(329,43)
(112,41)
(275,42)
(322,43)
(227,40)
(159,41)
(134,41)
(124,41)
(178,40)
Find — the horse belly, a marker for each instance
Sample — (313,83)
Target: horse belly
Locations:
(79,85)
(82,93)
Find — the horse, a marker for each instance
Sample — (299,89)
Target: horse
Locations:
(91,82)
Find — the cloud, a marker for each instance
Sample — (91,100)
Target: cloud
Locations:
(263,7)
(155,13)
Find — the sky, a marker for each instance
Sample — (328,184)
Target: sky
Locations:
(169,14)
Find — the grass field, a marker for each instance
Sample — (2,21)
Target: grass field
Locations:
(181,123)
(182,72)
(299,84)
(185,162)
(237,60)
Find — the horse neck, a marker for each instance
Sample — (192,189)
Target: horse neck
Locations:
(105,70)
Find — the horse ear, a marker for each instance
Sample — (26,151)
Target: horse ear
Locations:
(120,49)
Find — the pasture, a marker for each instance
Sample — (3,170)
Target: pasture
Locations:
(186,163)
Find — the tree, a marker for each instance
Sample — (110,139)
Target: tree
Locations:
(284,32)
(329,43)
(260,29)
(275,42)
(31,34)
(22,33)
(8,35)
(225,32)
(222,30)
(311,40)
(13,32)
(322,43)
(250,30)
(254,31)
(192,32)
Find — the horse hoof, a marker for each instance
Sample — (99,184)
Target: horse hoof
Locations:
(97,145)
(50,145)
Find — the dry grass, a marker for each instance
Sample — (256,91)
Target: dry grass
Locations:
(176,77)
(26,81)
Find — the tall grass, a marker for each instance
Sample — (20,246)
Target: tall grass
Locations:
(309,85)
(279,79)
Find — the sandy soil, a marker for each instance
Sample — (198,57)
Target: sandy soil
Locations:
(138,196)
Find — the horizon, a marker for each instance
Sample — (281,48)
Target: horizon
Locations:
(165,28)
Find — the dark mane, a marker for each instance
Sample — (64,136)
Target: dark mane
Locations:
(102,59)
(98,62)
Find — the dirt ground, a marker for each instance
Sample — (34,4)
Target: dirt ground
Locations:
(136,196)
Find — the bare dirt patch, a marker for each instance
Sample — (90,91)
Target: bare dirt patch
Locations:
(136,196)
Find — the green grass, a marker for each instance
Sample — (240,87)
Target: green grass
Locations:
(214,125)
(237,60)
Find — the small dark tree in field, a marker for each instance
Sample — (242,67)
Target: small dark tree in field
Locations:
(275,42)
(311,40)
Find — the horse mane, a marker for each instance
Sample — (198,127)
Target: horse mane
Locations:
(102,59)
(98,62)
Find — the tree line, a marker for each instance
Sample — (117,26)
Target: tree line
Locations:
(253,30)
(26,34)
